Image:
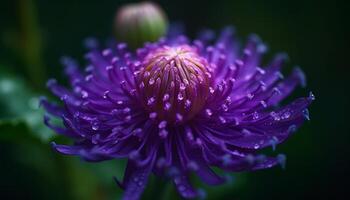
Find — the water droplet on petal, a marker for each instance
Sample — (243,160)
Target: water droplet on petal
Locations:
(152,115)
(263,103)
(162,124)
(95,126)
(222,119)
(250,96)
(211,90)
(208,112)
(286,115)
(187,103)
(255,115)
(224,107)
(151,81)
(84,94)
(179,117)
(311,96)
(127,118)
(163,133)
(167,106)
(150,101)
(126,110)
(182,86)
(189,134)
(166,97)
(180,97)
(256,146)
(306,114)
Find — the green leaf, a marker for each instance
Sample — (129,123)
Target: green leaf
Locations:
(20,107)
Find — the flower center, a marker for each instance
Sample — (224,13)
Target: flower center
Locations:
(173,83)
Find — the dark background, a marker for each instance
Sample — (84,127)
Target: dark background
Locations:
(314,33)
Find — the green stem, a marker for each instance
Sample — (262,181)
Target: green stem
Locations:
(31,42)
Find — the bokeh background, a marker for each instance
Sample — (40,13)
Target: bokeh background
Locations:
(36,33)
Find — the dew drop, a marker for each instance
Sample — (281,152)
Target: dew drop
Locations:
(182,86)
(222,119)
(211,90)
(152,115)
(208,112)
(255,115)
(179,117)
(239,63)
(105,94)
(146,74)
(151,81)
(127,118)
(166,97)
(163,133)
(88,77)
(162,124)
(250,96)
(126,110)
(246,131)
(189,134)
(306,114)
(84,94)
(95,126)
(180,97)
(186,82)
(286,115)
(263,103)
(150,101)
(137,131)
(260,70)
(187,103)
(106,52)
(167,106)
(311,96)
(256,146)
(275,116)
(109,67)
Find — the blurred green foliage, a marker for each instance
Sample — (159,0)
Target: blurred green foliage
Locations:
(34,34)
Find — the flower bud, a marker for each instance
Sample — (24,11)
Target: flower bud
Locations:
(174,82)
(140,22)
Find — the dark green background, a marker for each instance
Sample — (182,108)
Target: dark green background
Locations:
(314,33)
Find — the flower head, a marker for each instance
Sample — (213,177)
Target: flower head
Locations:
(176,107)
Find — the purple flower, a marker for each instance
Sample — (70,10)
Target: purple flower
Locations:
(177,108)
